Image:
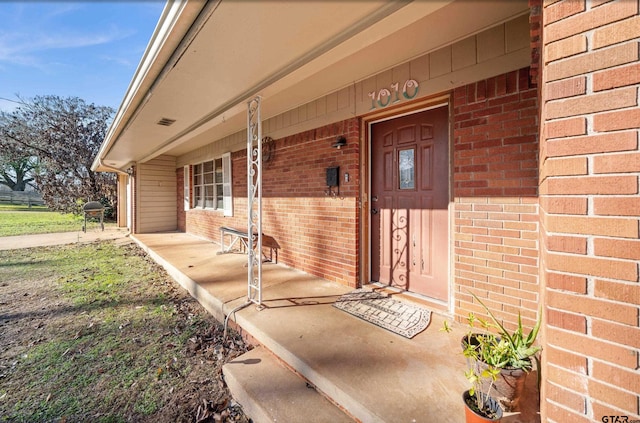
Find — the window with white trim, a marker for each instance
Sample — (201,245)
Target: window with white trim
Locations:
(212,185)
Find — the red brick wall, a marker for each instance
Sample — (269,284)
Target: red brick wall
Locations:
(590,210)
(495,185)
(316,233)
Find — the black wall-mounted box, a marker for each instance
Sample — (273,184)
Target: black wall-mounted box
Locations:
(333,176)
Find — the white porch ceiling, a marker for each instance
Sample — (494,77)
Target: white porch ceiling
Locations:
(289,52)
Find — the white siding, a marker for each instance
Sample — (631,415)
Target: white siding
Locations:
(233,142)
(157,195)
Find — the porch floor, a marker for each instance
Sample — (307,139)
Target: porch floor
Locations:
(373,374)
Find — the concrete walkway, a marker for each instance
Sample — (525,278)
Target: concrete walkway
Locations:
(61,238)
(369,373)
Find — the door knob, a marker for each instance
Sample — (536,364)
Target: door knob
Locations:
(374,211)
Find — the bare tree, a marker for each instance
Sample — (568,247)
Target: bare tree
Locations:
(64,134)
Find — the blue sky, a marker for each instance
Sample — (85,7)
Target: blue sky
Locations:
(86,49)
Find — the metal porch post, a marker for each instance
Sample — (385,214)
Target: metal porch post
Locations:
(254,201)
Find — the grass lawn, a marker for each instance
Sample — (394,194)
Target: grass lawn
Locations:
(99,332)
(20,220)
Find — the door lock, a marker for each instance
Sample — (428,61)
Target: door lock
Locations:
(374,211)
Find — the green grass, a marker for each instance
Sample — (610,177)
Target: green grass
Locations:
(21,207)
(107,340)
(39,221)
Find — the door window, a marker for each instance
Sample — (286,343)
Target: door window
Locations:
(407,168)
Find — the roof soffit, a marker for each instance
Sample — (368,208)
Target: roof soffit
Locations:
(272,48)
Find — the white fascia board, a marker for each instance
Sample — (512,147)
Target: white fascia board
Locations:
(148,69)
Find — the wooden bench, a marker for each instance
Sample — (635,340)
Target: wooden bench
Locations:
(239,242)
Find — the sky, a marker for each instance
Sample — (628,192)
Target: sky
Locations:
(87,49)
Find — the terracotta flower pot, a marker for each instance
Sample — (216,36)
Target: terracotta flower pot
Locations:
(471,413)
(507,389)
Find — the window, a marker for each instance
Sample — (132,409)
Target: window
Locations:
(407,169)
(212,185)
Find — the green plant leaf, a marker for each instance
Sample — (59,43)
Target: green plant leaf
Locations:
(445,327)
(536,328)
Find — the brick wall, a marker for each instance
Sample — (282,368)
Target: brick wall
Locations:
(495,190)
(590,210)
(316,233)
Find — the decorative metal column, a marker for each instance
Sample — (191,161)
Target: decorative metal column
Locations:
(254,201)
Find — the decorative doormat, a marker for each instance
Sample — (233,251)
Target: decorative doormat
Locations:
(377,308)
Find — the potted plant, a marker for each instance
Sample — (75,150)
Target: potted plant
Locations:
(480,406)
(497,348)
(512,353)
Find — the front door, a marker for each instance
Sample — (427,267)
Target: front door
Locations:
(409,199)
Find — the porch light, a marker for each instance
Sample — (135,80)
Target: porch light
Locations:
(340,142)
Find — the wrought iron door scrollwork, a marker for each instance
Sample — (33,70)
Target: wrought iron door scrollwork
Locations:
(399,231)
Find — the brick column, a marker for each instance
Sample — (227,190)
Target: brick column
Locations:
(590,210)
(495,188)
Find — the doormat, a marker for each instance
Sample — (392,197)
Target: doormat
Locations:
(377,308)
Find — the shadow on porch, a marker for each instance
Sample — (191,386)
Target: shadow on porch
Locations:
(373,374)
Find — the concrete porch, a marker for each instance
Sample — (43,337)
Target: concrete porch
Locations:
(372,374)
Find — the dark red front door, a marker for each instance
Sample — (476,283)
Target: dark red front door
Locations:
(409,199)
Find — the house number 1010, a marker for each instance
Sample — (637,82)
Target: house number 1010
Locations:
(386,96)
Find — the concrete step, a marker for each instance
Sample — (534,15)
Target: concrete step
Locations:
(270,392)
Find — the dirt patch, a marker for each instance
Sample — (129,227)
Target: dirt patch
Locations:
(101,333)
